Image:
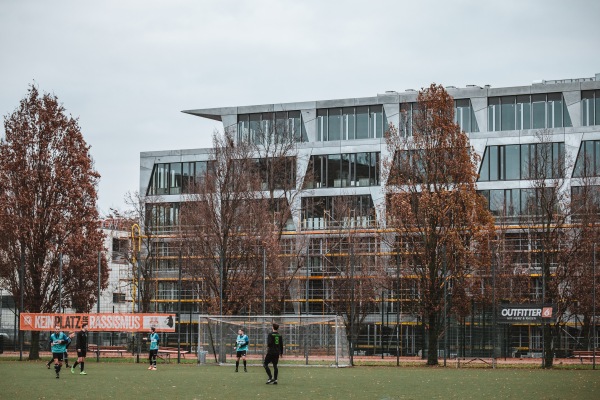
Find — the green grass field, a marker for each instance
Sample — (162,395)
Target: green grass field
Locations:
(31,380)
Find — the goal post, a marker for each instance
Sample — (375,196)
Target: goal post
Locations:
(317,340)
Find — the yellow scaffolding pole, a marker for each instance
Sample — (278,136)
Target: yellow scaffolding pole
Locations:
(135,260)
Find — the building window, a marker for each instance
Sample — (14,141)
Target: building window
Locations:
(515,162)
(343,170)
(350,123)
(118,297)
(263,128)
(163,217)
(590,107)
(407,111)
(512,204)
(176,178)
(120,248)
(464,115)
(588,159)
(584,199)
(536,111)
(327,212)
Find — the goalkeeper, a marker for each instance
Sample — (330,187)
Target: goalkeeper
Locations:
(241,347)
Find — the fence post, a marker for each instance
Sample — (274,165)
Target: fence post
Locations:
(98,304)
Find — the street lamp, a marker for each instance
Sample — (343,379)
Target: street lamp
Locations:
(594,311)
(22,284)
(60,268)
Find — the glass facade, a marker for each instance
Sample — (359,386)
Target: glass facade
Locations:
(350,123)
(285,176)
(582,197)
(536,111)
(163,217)
(271,127)
(407,111)
(464,115)
(521,161)
(184,178)
(588,159)
(512,203)
(324,212)
(176,178)
(343,170)
(590,107)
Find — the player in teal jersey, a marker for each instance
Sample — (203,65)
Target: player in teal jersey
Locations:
(274,351)
(241,346)
(58,341)
(66,353)
(153,351)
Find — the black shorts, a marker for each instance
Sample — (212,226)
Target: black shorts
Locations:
(81,353)
(241,353)
(272,358)
(57,356)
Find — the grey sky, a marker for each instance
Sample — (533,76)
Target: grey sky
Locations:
(127,68)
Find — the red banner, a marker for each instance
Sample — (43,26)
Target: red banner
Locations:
(98,322)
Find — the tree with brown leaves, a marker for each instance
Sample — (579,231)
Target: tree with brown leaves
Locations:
(48,210)
(433,207)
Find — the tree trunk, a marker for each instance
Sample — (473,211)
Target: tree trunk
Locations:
(34,351)
(432,339)
(548,353)
(586,332)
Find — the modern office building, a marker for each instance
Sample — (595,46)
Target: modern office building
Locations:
(342,143)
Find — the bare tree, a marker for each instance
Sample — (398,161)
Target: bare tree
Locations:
(225,226)
(570,262)
(146,250)
(347,259)
(433,206)
(557,242)
(48,215)
(273,142)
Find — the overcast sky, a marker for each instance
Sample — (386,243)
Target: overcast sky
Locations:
(126,68)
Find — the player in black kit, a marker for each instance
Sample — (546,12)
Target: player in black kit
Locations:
(82,344)
(274,350)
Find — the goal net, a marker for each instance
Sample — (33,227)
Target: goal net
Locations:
(308,339)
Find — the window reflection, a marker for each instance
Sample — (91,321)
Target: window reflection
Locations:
(343,170)
(590,107)
(514,162)
(536,111)
(351,123)
(264,128)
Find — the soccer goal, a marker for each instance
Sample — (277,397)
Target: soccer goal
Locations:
(317,340)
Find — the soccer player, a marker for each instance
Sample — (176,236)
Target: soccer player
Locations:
(274,350)
(65,355)
(241,344)
(81,350)
(154,339)
(58,341)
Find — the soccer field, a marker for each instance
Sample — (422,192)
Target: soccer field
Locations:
(31,380)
